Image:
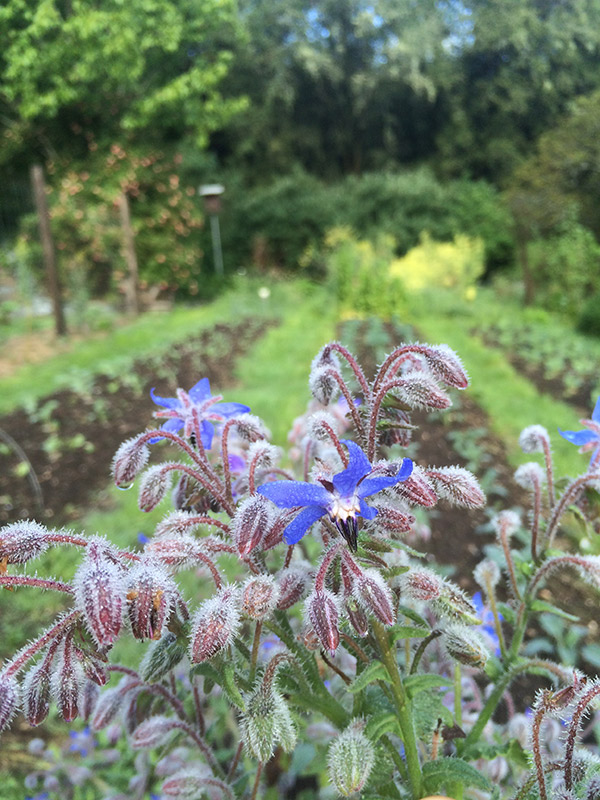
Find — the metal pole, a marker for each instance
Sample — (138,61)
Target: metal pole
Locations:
(215,233)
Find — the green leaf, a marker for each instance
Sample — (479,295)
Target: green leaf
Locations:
(230,687)
(374,672)
(541,605)
(417,618)
(443,770)
(408,632)
(380,724)
(422,683)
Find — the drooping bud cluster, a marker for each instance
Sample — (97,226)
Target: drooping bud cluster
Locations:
(446,366)
(293,583)
(250,427)
(215,624)
(323,614)
(351,759)
(534,439)
(322,384)
(419,390)
(22,541)
(530,476)
(267,723)
(457,485)
(129,460)
(100,592)
(442,596)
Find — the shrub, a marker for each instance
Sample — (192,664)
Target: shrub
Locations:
(589,316)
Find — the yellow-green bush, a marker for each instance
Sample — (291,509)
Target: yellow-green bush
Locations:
(453,265)
(359,274)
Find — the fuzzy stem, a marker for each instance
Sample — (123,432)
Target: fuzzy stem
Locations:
(202,746)
(225,457)
(203,520)
(198,707)
(403,711)
(336,669)
(211,567)
(30,650)
(255,647)
(349,400)
(398,355)
(457,694)
(354,366)
(503,537)
(374,413)
(550,565)
(580,708)
(537,753)
(259,769)
(236,761)
(569,496)
(491,595)
(549,472)
(306,460)
(421,649)
(40,583)
(535,521)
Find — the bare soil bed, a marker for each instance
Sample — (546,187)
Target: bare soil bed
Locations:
(87,429)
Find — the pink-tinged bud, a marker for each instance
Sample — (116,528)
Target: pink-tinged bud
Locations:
(421,585)
(93,669)
(9,699)
(351,758)
(181,551)
(178,523)
(357,617)
(252,520)
(100,592)
(392,520)
(530,476)
(446,366)
(322,612)
(465,646)
(112,702)
(457,485)
(129,460)
(534,439)
(419,390)
(251,428)
(487,574)
(416,489)
(151,594)
(191,783)
(22,541)
(153,732)
(156,483)
(67,680)
(36,694)
(259,596)
(372,593)
(292,586)
(215,624)
(89,699)
(506,523)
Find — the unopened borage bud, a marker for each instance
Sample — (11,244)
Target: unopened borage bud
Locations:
(351,758)
(22,541)
(215,625)
(267,723)
(259,596)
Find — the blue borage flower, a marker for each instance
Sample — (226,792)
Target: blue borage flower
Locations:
(178,411)
(588,438)
(487,619)
(342,497)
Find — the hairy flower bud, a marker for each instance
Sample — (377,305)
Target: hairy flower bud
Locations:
(161,657)
(372,593)
(319,425)
(422,585)
(252,520)
(266,723)
(36,694)
(351,758)
(67,679)
(93,669)
(156,483)
(100,592)
(251,428)
(153,732)
(530,476)
(465,646)
(322,612)
(129,460)
(292,585)
(89,699)
(455,605)
(392,520)
(506,523)
(260,594)
(150,598)
(9,699)
(178,523)
(446,366)
(215,624)
(356,617)
(22,541)
(457,485)
(321,382)
(534,439)
(419,390)
(181,551)
(487,574)
(416,489)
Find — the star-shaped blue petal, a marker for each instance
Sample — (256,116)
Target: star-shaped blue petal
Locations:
(589,437)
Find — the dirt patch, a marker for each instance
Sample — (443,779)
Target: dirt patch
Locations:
(71,438)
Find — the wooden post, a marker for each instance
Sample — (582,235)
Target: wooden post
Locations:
(54,286)
(131,294)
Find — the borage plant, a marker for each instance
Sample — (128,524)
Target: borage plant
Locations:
(344,637)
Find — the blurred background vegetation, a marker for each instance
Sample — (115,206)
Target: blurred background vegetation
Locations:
(404,121)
